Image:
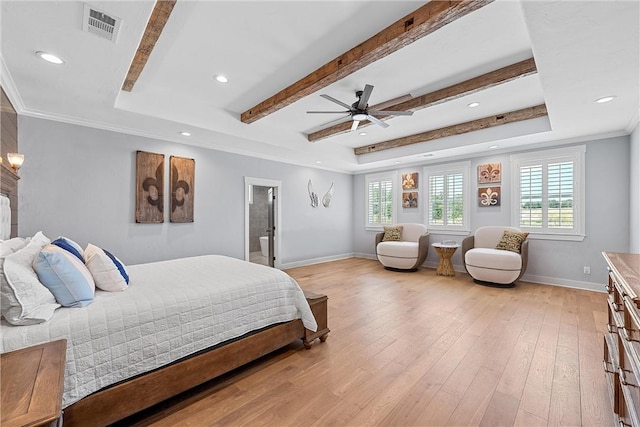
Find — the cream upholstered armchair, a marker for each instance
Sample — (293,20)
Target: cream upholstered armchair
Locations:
(491,266)
(407,253)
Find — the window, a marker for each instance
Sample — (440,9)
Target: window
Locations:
(548,193)
(380,200)
(447,204)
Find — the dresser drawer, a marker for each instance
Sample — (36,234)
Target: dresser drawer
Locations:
(611,364)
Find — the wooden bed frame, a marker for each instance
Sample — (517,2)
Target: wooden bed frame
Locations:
(116,402)
(126,398)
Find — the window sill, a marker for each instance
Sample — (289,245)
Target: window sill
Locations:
(449,232)
(561,237)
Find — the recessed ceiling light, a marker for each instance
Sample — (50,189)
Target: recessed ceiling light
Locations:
(493,147)
(50,57)
(221,78)
(397,162)
(185,133)
(473,105)
(318,162)
(605,99)
(363,134)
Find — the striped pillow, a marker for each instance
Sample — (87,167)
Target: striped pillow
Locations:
(108,271)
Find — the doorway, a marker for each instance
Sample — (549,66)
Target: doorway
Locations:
(262,221)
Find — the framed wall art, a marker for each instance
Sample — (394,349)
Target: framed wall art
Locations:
(488,196)
(489,173)
(410,199)
(410,181)
(149,188)
(182,177)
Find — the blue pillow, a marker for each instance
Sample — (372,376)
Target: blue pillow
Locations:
(70,246)
(65,276)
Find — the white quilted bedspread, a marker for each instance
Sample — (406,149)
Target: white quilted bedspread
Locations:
(170,310)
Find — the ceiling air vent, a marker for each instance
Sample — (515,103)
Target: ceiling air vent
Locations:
(100,23)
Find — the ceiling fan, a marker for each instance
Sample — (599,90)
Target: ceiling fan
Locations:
(359,110)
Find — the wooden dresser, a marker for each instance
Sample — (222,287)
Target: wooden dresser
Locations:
(32,385)
(622,339)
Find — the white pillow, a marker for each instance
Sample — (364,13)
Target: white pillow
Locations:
(25,301)
(108,272)
(7,247)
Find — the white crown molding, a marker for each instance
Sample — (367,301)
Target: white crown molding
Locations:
(633,122)
(9,87)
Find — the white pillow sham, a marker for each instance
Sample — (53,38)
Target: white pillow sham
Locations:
(25,301)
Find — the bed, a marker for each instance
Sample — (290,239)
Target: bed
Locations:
(179,323)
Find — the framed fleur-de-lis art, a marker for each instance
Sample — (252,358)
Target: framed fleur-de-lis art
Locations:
(488,196)
(182,191)
(149,188)
(489,173)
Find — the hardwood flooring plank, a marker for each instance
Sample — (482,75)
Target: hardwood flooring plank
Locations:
(501,411)
(474,402)
(525,419)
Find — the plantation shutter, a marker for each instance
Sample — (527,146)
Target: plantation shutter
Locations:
(447,197)
(436,199)
(380,202)
(548,195)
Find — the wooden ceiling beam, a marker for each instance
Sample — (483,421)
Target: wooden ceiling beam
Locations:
(484,123)
(159,17)
(421,22)
(467,87)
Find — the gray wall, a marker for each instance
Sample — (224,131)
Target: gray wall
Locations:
(79,182)
(634,199)
(560,262)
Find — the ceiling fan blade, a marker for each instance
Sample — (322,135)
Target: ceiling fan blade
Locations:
(364,98)
(390,113)
(377,121)
(355,124)
(328,112)
(332,99)
(337,121)
(391,102)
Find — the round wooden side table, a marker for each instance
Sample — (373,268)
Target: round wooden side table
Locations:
(446,251)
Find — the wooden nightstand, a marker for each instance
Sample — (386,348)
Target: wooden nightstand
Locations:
(318,304)
(32,381)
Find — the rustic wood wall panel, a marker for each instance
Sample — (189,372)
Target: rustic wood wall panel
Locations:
(149,187)
(182,180)
(9,144)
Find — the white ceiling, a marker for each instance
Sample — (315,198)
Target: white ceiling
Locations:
(583,50)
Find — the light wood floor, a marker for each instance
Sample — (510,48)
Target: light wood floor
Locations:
(419,349)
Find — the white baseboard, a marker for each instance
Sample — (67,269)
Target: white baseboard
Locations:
(312,261)
(543,280)
(565,283)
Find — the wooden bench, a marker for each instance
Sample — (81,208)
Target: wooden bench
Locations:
(318,304)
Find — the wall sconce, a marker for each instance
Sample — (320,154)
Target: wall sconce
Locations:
(15,160)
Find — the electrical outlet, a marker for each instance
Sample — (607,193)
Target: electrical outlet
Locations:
(587,270)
